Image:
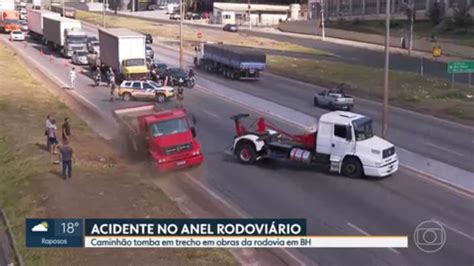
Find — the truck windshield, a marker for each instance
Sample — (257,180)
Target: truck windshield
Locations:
(363,128)
(76,39)
(169,127)
(134,62)
(11,21)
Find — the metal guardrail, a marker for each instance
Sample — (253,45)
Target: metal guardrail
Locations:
(11,237)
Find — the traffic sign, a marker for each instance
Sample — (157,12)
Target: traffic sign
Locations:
(456,67)
(199,35)
(436,51)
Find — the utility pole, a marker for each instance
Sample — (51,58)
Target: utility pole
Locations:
(133,5)
(64,10)
(385,81)
(412,21)
(250,19)
(181,33)
(323,31)
(103,12)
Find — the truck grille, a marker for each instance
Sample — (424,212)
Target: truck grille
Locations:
(178,148)
(388,152)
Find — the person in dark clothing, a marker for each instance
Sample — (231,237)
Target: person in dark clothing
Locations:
(66,158)
(66,131)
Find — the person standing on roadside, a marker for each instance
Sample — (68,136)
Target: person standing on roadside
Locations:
(46,131)
(66,158)
(110,76)
(72,77)
(66,130)
(53,141)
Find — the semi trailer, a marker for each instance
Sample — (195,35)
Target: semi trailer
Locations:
(64,35)
(35,22)
(234,62)
(344,143)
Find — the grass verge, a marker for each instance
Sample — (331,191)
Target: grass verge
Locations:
(407,89)
(421,29)
(171,31)
(103,184)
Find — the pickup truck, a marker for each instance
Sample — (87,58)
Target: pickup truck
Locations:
(167,136)
(333,99)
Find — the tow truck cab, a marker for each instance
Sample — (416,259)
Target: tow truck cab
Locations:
(170,136)
(344,143)
(349,140)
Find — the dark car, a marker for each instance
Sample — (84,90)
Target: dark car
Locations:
(148,38)
(178,77)
(231,28)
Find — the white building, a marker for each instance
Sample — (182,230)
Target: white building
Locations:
(261,15)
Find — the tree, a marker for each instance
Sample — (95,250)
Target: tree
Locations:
(461,17)
(435,13)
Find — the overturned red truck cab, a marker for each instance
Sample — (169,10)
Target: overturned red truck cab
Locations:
(168,136)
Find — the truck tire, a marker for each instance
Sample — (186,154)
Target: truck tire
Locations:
(246,153)
(351,167)
(127,96)
(161,98)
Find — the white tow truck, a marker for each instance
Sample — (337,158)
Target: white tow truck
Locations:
(344,143)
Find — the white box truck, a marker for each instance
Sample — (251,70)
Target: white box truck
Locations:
(124,51)
(64,34)
(35,22)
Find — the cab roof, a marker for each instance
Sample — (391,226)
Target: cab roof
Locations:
(165,115)
(339,117)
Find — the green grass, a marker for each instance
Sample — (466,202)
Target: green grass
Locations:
(407,89)
(421,29)
(104,184)
(171,31)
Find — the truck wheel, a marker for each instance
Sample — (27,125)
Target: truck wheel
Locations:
(127,96)
(246,153)
(161,98)
(315,101)
(351,167)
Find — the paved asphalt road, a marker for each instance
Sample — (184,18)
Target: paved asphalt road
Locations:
(333,205)
(346,53)
(405,128)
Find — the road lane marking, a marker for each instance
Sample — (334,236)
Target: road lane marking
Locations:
(234,209)
(358,229)
(210,113)
(455,230)
(443,149)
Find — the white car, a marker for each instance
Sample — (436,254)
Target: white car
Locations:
(17,35)
(80,57)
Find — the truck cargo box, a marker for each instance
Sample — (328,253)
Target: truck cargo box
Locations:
(35,19)
(235,56)
(54,28)
(117,44)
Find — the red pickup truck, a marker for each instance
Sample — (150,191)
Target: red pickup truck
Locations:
(168,136)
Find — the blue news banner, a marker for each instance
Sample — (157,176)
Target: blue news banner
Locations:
(71,233)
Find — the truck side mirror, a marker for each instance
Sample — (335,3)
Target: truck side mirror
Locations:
(193,119)
(193,132)
(348,133)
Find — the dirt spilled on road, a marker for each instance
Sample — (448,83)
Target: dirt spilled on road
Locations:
(104,185)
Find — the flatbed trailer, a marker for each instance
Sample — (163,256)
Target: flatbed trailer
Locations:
(232,61)
(167,136)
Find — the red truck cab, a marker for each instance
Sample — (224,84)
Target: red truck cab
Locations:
(169,135)
(9,21)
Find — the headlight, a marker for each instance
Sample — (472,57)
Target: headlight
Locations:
(378,164)
(162,160)
(195,153)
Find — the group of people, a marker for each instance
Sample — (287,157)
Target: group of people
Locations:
(111,82)
(64,150)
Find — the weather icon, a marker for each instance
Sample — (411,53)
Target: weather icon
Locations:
(42,227)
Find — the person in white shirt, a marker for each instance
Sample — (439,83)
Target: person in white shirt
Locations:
(72,77)
(46,131)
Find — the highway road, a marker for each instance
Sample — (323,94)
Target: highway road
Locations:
(405,127)
(345,53)
(333,205)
